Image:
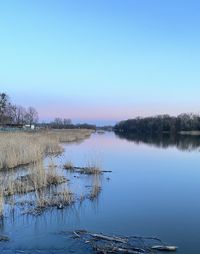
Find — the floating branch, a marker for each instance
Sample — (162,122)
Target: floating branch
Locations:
(104,244)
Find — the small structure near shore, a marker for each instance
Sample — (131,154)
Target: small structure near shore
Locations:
(29,127)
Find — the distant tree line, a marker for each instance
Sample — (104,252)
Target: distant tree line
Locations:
(160,124)
(11,114)
(65,123)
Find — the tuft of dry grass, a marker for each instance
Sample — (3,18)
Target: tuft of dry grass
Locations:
(63,198)
(83,170)
(93,167)
(68,165)
(59,200)
(21,148)
(93,170)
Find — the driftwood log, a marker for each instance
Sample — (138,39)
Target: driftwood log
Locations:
(4,238)
(104,244)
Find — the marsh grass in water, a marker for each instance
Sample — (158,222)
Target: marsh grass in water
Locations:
(92,168)
(43,185)
(68,165)
(60,200)
(42,188)
(35,180)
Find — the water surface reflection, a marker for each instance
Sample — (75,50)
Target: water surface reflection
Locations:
(151,191)
(182,142)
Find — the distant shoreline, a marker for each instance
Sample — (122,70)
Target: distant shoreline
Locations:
(191,133)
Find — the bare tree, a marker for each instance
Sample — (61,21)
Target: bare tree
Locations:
(67,121)
(31,116)
(58,121)
(20,115)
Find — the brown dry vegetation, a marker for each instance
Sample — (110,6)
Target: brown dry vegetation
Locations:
(93,170)
(36,180)
(93,167)
(96,187)
(68,166)
(71,135)
(60,200)
(20,148)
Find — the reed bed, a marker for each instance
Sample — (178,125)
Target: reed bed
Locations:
(36,180)
(92,167)
(42,183)
(70,135)
(20,148)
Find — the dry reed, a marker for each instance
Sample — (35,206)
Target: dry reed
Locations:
(68,165)
(20,148)
(59,200)
(36,180)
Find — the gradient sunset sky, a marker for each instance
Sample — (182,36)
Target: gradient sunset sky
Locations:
(101,61)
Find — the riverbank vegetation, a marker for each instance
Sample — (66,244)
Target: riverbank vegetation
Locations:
(36,180)
(160,124)
(35,190)
(20,148)
(41,187)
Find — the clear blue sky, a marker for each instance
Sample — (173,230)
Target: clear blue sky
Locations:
(101,60)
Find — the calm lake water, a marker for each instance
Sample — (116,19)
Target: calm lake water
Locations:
(153,190)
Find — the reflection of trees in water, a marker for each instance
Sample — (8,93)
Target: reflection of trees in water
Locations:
(182,142)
